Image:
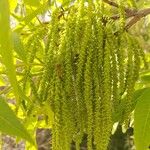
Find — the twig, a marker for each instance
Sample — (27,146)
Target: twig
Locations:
(127,10)
(127,15)
(135,14)
(139,15)
(111,3)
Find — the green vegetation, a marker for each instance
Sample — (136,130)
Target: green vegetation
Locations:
(79,65)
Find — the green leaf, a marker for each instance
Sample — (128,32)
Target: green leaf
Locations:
(34,13)
(136,96)
(6,45)
(10,124)
(142,121)
(32,2)
(18,47)
(146,78)
(119,113)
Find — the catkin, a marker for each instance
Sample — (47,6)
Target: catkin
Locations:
(88,69)
(50,50)
(97,77)
(82,53)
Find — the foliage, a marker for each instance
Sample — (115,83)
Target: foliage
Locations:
(9,124)
(142,121)
(75,65)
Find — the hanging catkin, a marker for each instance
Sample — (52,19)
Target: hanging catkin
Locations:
(82,52)
(88,77)
(50,50)
(67,53)
(88,69)
(97,74)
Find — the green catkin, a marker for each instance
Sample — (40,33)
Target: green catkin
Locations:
(56,141)
(142,55)
(43,89)
(86,73)
(31,58)
(114,73)
(88,95)
(52,45)
(105,89)
(81,49)
(136,59)
(137,62)
(121,67)
(79,42)
(106,100)
(53,80)
(88,100)
(133,66)
(129,83)
(66,48)
(120,49)
(97,75)
(34,48)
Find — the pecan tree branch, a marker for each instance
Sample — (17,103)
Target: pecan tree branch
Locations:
(135,14)
(111,3)
(127,10)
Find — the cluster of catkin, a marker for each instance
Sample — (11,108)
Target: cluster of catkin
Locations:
(90,64)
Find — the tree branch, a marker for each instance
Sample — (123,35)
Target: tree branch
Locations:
(127,10)
(111,3)
(135,14)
